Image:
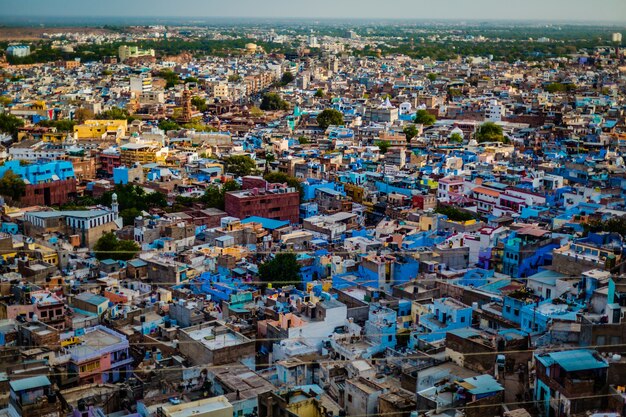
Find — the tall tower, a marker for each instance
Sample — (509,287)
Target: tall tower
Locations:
(186,116)
(114,205)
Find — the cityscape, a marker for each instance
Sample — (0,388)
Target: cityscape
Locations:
(279,209)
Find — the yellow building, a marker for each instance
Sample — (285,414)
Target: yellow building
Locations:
(54,137)
(137,153)
(101,129)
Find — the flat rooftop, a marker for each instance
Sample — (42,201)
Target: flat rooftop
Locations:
(208,338)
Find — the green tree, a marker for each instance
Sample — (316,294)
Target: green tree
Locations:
(240,165)
(10,124)
(287,78)
(319,93)
(171,78)
(283,269)
(282,178)
(83,114)
(432,76)
(5,101)
(273,101)
(454,214)
(115,113)
(233,78)
(12,186)
(168,125)
(199,103)
(214,196)
(410,131)
(383,145)
(303,140)
(64,125)
(110,247)
(133,200)
(330,117)
(489,132)
(455,138)
(422,117)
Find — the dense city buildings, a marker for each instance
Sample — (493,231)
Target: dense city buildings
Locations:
(313,219)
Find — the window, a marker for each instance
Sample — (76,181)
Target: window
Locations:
(508,309)
(389,338)
(462,319)
(516,311)
(349,398)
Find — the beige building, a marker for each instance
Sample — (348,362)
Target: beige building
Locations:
(208,407)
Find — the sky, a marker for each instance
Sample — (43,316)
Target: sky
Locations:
(545,10)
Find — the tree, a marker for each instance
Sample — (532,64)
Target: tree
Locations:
(282,269)
(319,93)
(168,125)
(233,78)
(330,117)
(410,131)
(303,140)
(455,138)
(432,76)
(82,114)
(132,201)
(115,113)
(282,178)
(64,125)
(383,145)
(273,101)
(214,196)
(287,78)
(170,77)
(199,103)
(5,101)
(454,214)
(489,132)
(12,186)
(422,117)
(10,124)
(255,111)
(240,165)
(110,247)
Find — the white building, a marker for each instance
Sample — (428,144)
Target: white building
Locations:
(495,111)
(18,51)
(616,37)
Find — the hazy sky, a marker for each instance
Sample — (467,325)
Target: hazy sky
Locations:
(583,10)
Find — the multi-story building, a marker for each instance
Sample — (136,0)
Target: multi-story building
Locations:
(47,183)
(570,382)
(125,52)
(101,129)
(277,202)
(87,225)
(108,160)
(102,357)
(33,396)
(18,51)
(141,83)
(132,153)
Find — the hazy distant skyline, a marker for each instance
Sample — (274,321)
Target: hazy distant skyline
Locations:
(544,10)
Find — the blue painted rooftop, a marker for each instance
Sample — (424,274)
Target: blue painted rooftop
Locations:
(573,360)
(269,224)
(30,383)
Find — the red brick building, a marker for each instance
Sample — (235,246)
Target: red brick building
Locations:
(49,193)
(278,202)
(108,161)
